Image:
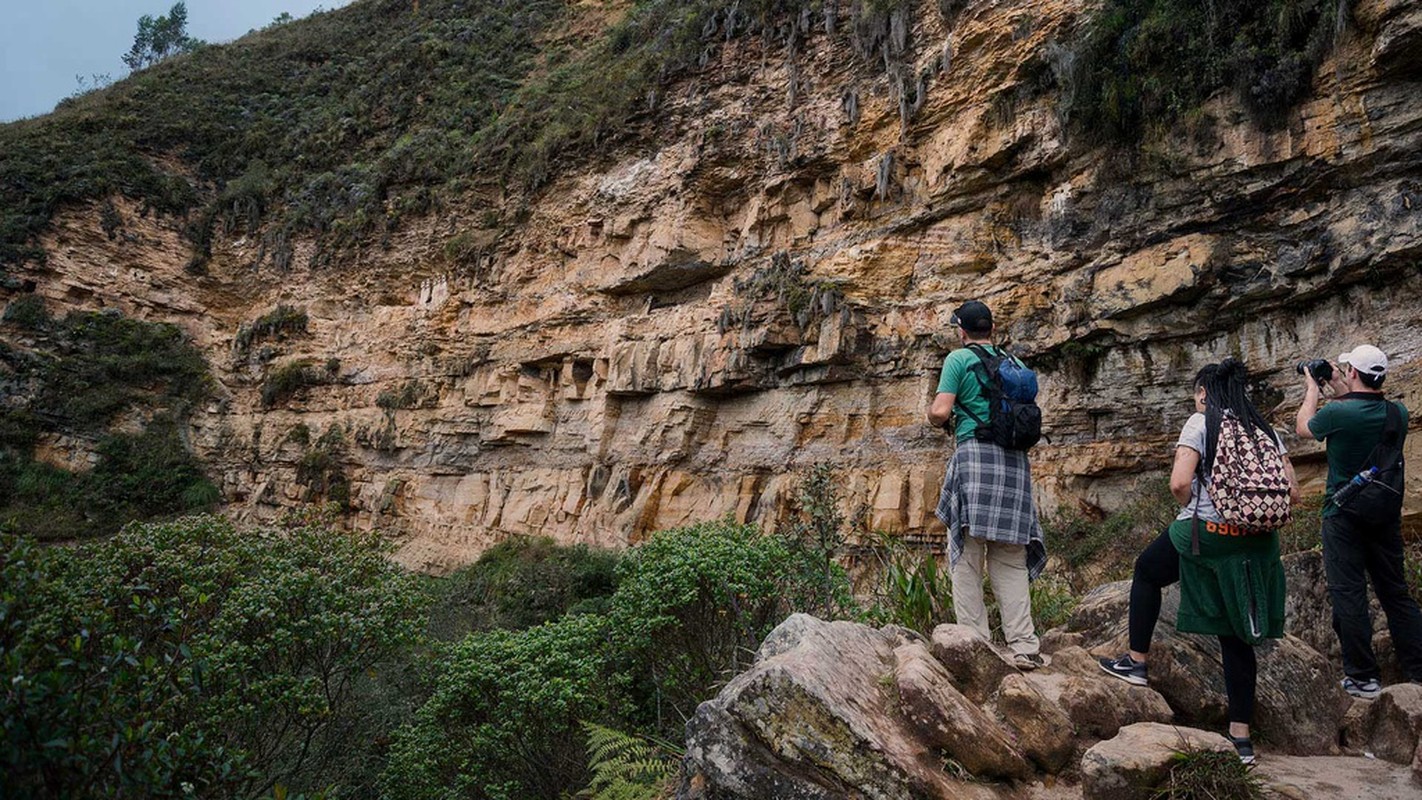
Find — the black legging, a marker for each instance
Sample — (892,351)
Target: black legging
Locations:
(1157,567)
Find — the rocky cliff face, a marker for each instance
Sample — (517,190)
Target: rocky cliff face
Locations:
(762,281)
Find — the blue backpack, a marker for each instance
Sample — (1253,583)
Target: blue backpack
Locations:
(1014,419)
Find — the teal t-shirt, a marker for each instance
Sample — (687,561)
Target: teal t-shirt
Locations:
(961,379)
(1352,425)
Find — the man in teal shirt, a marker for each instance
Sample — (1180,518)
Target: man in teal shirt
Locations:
(986,501)
(1351,425)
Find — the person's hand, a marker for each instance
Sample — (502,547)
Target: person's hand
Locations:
(1310,385)
(1338,383)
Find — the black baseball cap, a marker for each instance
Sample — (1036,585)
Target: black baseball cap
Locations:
(973,317)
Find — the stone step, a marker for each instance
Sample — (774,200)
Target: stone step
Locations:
(1318,777)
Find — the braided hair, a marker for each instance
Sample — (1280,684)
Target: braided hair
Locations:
(1224,391)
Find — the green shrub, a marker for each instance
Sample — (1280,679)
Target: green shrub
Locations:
(322,470)
(286,381)
(1140,65)
(817,532)
(27,311)
(103,363)
(691,607)
(522,582)
(411,394)
(1304,529)
(909,587)
(188,658)
(503,722)
(277,323)
(85,370)
(1209,774)
(1053,600)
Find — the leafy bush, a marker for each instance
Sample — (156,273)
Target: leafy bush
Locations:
(100,364)
(27,311)
(1143,64)
(691,607)
(189,657)
(522,582)
(411,394)
(286,381)
(321,469)
(817,532)
(504,720)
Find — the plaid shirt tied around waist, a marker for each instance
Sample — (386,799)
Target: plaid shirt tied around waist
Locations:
(988,492)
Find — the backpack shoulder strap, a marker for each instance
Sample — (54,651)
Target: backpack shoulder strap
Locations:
(1392,426)
(981,352)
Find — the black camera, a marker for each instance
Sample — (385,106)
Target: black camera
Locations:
(1319,368)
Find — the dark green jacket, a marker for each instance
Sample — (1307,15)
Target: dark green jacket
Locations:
(1235,586)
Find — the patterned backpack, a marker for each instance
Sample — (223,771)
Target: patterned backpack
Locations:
(1247,481)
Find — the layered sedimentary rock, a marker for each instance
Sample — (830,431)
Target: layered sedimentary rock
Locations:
(762,282)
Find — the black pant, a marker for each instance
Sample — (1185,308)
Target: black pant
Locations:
(1157,567)
(1348,552)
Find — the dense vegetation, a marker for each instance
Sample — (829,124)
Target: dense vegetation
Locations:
(188,659)
(76,377)
(1141,66)
(297,660)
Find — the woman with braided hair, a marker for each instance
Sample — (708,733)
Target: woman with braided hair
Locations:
(1210,557)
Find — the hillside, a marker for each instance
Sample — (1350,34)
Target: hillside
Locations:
(478,269)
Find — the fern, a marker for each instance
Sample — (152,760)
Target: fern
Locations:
(626,766)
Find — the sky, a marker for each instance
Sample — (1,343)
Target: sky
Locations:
(45,43)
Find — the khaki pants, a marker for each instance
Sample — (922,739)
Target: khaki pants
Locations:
(1007,568)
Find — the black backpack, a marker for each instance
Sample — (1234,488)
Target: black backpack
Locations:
(1377,501)
(1014,420)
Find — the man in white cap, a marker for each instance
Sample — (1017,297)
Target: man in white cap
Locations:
(1357,429)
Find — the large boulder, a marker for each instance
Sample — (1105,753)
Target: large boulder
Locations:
(821,714)
(1097,704)
(947,721)
(1389,727)
(1045,732)
(976,665)
(1130,765)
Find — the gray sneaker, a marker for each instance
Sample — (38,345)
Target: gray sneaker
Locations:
(1028,661)
(1126,668)
(1367,689)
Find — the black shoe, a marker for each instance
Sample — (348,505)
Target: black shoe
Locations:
(1126,668)
(1244,747)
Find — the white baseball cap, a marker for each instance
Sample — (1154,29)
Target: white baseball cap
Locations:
(1366,359)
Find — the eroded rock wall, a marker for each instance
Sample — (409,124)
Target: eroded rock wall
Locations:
(762,281)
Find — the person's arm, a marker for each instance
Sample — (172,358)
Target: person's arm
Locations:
(1294,495)
(941,409)
(1309,407)
(1183,472)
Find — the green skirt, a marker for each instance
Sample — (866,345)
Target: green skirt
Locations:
(1234,587)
